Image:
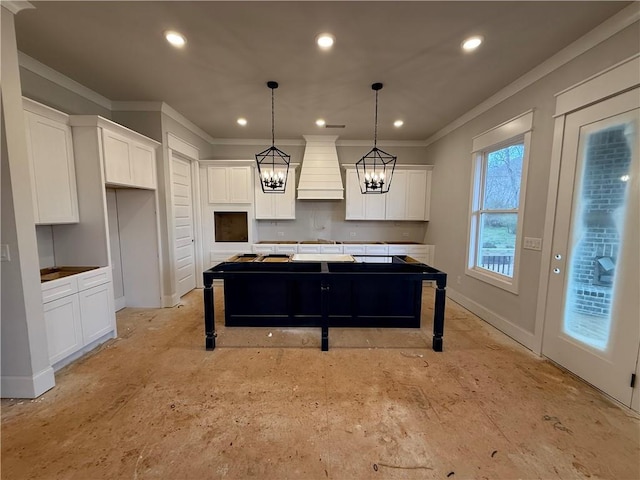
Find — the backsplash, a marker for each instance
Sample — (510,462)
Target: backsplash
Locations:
(44,236)
(325,220)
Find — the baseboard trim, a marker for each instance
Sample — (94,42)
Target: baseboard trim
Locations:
(27,387)
(120,303)
(514,331)
(169,301)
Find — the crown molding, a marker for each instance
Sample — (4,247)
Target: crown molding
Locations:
(162,107)
(621,20)
(16,6)
(48,73)
(383,143)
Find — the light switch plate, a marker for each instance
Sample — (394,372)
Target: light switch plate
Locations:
(531,243)
(5,256)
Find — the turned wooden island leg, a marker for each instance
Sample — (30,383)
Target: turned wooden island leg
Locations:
(209,318)
(438,313)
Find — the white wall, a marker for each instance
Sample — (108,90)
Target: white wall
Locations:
(25,371)
(44,235)
(451,156)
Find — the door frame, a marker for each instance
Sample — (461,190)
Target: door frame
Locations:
(610,82)
(187,152)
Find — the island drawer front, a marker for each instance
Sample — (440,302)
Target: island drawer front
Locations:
(93,278)
(59,288)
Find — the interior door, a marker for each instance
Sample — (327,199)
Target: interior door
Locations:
(593,305)
(184,257)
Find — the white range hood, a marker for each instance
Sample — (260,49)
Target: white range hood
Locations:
(320,177)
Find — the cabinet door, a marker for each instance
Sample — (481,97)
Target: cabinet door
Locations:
(97,312)
(416,192)
(143,166)
(375,206)
(64,330)
(265,202)
(52,168)
(285,203)
(218,184)
(396,207)
(355,200)
(240,190)
(117,158)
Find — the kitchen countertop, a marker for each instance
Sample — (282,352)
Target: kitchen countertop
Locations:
(54,273)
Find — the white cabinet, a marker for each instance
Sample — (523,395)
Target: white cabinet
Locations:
(287,248)
(360,206)
(96,312)
(264,248)
(64,328)
(408,195)
(308,248)
(271,248)
(128,160)
(277,206)
(78,310)
(407,199)
(229,184)
(51,164)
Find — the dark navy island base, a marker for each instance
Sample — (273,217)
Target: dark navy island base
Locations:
(324,294)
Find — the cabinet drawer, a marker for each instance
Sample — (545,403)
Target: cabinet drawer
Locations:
(398,250)
(93,278)
(264,248)
(331,249)
(308,248)
(287,248)
(354,249)
(59,288)
(376,249)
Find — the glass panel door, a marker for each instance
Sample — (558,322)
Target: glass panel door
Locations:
(593,299)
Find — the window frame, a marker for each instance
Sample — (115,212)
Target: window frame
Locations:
(514,131)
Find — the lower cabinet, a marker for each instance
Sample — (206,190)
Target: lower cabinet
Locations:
(64,328)
(85,314)
(96,307)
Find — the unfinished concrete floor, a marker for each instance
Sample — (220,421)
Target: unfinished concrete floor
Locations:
(268,404)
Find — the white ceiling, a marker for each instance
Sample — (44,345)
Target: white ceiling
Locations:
(118,50)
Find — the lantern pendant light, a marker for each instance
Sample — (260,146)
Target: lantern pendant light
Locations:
(375,169)
(273,163)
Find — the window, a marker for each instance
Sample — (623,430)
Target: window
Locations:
(497,202)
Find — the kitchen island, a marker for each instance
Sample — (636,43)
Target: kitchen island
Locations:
(274,291)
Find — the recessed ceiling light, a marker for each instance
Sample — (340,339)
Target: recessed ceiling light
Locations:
(174,38)
(325,40)
(398,123)
(320,122)
(471,43)
(242,121)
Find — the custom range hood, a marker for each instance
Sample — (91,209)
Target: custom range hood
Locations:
(320,177)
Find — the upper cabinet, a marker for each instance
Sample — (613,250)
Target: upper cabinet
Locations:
(277,206)
(408,197)
(229,184)
(128,160)
(359,206)
(51,164)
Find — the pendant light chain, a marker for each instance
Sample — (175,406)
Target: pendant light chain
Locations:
(273,135)
(375,131)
